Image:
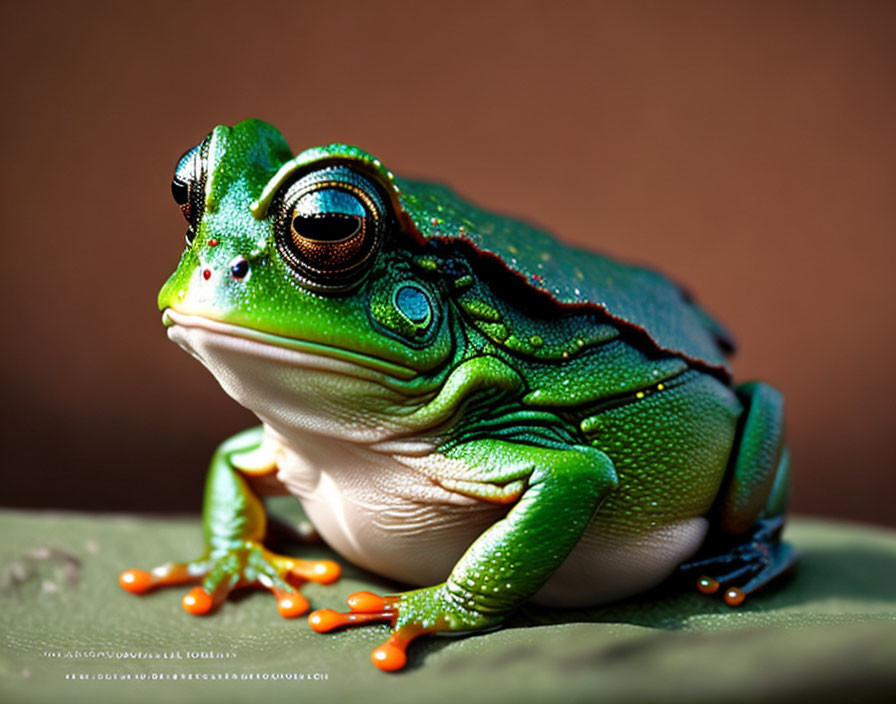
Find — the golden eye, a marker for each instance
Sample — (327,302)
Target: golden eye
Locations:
(331,226)
(328,241)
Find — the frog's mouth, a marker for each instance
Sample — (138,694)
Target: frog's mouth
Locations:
(295,352)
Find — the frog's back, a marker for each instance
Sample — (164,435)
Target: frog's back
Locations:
(638,300)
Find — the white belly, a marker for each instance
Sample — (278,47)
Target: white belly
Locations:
(378,512)
(608,564)
(381,514)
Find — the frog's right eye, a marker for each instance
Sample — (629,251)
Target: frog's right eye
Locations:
(188,186)
(330,225)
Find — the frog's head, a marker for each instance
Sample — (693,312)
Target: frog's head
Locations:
(309,257)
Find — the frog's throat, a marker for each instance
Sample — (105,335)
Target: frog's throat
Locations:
(306,353)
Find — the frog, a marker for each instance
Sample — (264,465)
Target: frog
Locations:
(461,402)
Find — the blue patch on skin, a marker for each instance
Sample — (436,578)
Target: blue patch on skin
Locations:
(413,304)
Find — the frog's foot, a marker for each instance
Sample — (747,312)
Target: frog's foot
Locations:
(222,571)
(411,614)
(746,566)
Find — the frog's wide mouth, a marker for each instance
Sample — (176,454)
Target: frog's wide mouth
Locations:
(354,360)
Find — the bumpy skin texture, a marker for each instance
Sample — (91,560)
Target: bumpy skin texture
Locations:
(459,401)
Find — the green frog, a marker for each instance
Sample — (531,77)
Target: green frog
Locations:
(460,402)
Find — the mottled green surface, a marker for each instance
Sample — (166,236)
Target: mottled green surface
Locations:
(828,633)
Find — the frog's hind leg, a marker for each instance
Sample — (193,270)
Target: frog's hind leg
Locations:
(745,551)
(746,566)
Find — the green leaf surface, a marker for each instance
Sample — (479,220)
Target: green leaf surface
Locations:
(827,633)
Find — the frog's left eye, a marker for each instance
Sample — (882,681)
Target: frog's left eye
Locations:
(330,225)
(188,186)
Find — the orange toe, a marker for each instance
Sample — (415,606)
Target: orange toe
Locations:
(389,657)
(323,620)
(291,604)
(198,601)
(366,602)
(734,596)
(136,581)
(707,585)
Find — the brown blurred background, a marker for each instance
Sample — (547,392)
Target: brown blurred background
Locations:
(746,148)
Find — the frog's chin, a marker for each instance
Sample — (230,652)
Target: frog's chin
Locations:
(293,385)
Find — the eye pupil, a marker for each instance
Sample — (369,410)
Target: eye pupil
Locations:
(327,227)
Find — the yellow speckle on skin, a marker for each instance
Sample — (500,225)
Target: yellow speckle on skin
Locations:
(660,387)
(640,394)
(590,425)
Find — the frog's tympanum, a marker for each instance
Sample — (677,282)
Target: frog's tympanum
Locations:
(460,402)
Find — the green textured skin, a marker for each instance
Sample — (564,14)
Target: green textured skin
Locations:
(594,394)
(749,489)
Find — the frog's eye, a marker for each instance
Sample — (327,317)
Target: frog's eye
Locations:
(188,186)
(330,226)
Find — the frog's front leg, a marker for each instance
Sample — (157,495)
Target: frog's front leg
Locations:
(556,492)
(235,523)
